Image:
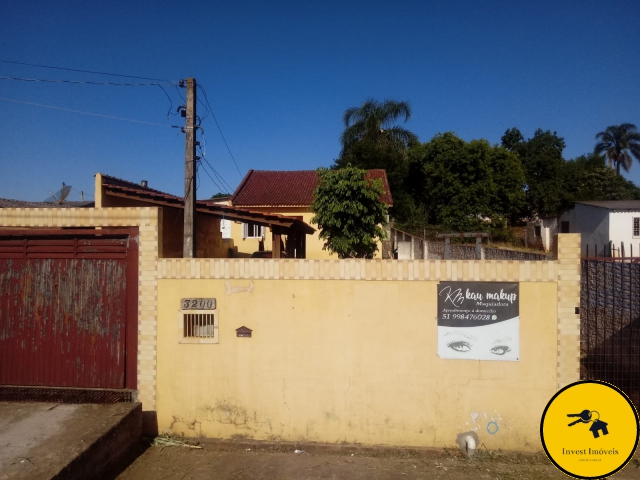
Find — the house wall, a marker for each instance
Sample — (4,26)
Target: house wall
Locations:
(209,243)
(593,223)
(246,246)
(550,228)
(345,351)
(621,230)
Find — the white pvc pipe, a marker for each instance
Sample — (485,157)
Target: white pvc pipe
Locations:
(471,445)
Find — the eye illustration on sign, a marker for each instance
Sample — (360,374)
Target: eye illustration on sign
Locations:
(478,321)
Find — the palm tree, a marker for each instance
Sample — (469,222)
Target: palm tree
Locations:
(620,144)
(373,122)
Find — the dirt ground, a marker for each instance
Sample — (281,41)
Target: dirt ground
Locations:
(224,463)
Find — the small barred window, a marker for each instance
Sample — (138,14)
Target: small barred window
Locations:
(636,227)
(199,326)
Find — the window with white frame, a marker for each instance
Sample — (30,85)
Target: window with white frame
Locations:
(636,227)
(252,230)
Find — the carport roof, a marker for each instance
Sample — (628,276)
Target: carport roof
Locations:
(122,188)
(9,203)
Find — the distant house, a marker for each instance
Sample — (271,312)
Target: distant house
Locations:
(288,193)
(602,224)
(212,218)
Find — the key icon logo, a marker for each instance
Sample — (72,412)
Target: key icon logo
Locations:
(587,416)
(581,443)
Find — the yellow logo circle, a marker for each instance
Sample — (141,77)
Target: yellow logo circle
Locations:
(589,429)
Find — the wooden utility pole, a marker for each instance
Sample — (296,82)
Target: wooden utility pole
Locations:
(189,241)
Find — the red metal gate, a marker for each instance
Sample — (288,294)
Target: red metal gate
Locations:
(68,308)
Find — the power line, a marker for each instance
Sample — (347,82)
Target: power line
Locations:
(85,82)
(225,185)
(204,155)
(219,129)
(215,172)
(87,113)
(214,182)
(84,71)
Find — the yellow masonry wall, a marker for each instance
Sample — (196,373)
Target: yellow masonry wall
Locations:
(345,351)
(347,361)
(341,350)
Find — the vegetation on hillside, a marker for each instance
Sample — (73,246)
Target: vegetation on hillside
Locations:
(452,184)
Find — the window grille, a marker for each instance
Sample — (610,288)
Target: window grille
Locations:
(199,326)
(636,227)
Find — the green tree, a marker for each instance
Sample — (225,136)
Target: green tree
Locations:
(460,184)
(220,195)
(620,144)
(511,139)
(348,211)
(374,123)
(542,160)
(371,139)
(588,178)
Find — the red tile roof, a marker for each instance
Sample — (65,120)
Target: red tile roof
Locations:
(288,188)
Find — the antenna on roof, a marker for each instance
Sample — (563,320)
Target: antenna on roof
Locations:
(60,196)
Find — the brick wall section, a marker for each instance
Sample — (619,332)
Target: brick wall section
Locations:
(403,270)
(148,221)
(567,253)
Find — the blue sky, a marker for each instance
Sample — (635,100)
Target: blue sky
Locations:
(280,74)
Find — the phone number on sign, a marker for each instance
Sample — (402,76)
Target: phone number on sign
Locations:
(465,316)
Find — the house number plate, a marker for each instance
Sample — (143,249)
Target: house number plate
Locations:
(198,304)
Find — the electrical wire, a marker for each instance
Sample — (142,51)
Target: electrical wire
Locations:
(214,182)
(84,71)
(225,186)
(219,176)
(87,113)
(219,129)
(228,187)
(206,110)
(84,82)
(170,111)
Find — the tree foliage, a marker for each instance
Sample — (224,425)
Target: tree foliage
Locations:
(374,123)
(542,161)
(220,195)
(587,178)
(469,185)
(620,144)
(371,139)
(348,211)
(462,184)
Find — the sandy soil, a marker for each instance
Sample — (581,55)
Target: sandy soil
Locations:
(224,463)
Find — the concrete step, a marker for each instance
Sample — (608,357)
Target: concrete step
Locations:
(43,441)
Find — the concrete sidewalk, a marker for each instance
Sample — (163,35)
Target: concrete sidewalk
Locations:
(41,441)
